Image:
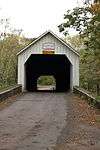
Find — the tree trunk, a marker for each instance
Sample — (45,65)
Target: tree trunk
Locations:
(88,86)
(98,89)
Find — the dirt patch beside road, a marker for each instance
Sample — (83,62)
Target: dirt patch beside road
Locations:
(7,102)
(82,131)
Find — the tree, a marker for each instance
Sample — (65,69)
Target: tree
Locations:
(75,41)
(86,21)
(46,80)
(11,42)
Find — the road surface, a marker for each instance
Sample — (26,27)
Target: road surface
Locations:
(48,121)
(33,122)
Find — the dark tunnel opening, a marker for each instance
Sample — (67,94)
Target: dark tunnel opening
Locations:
(55,65)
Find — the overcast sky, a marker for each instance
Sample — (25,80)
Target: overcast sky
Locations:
(35,16)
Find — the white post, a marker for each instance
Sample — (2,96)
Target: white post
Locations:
(71,76)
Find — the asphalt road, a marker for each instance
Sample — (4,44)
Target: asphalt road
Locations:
(33,122)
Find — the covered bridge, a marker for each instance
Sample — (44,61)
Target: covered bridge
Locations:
(48,55)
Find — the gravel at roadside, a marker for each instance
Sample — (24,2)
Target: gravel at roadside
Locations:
(82,131)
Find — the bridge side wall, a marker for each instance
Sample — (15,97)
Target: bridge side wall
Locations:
(11,91)
(60,48)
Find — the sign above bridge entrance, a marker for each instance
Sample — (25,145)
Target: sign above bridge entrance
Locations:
(48,52)
(48,48)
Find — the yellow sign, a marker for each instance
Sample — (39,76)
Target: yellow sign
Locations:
(48,52)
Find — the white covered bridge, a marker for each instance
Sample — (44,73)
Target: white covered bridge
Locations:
(48,55)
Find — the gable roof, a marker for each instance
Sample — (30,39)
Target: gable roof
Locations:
(45,33)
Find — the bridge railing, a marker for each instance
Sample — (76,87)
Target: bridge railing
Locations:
(84,94)
(10,92)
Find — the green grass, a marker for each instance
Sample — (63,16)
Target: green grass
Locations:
(5,87)
(97,118)
(98,98)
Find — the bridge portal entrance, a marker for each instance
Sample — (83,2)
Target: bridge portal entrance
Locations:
(48,55)
(54,65)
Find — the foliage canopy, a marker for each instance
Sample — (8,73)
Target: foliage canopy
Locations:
(86,21)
